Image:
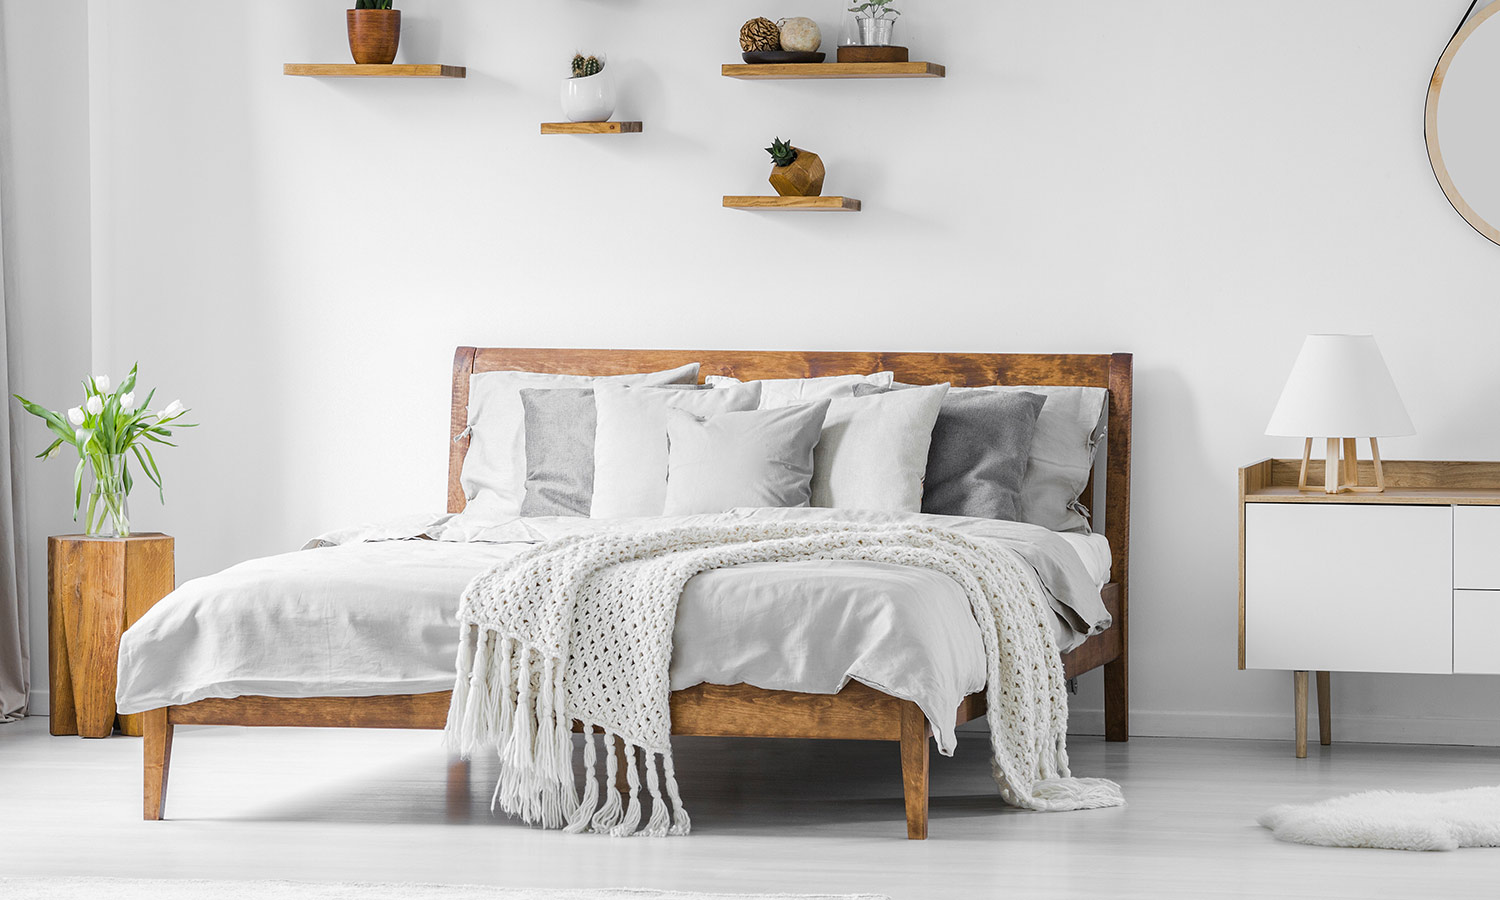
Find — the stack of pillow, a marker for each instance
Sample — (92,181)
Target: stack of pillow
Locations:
(659,444)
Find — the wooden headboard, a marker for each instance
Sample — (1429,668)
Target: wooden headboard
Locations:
(1112,371)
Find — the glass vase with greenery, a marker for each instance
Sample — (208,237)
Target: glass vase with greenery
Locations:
(875,20)
(108,430)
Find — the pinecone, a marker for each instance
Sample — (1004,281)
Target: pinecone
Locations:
(760,34)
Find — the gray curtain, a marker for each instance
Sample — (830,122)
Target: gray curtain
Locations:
(15,655)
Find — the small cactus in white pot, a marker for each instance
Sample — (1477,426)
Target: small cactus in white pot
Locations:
(588,95)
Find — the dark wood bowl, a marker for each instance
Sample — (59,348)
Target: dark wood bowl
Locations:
(768,57)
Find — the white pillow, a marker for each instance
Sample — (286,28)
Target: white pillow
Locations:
(758,458)
(494,471)
(778,392)
(630,442)
(873,453)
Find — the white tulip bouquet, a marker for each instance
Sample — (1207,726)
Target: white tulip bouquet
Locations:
(107,430)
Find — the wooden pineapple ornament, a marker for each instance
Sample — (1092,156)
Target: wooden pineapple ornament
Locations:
(795,172)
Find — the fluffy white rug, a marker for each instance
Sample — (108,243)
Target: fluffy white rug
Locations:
(1392,820)
(167,889)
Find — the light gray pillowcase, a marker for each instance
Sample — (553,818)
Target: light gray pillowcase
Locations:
(493,476)
(873,453)
(1062,453)
(756,458)
(977,461)
(560,426)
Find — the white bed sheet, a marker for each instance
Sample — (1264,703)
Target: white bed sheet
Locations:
(1093,551)
(372,616)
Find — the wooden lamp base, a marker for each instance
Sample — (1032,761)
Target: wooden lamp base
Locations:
(1341,477)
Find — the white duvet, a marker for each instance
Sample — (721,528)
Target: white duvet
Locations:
(371,611)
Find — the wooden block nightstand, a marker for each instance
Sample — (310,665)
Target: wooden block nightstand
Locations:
(97,588)
(1406,580)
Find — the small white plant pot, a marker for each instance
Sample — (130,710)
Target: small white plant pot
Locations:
(590,99)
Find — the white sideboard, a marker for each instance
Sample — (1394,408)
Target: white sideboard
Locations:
(1407,580)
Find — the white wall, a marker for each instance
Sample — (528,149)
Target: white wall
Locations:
(1199,184)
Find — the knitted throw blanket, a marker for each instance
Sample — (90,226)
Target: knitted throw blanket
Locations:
(580,629)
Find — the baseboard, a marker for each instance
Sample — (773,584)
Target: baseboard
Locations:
(1466,730)
(40,702)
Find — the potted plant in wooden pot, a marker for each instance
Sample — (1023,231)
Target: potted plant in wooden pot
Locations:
(374,32)
(795,172)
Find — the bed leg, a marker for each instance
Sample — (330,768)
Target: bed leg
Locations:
(622,770)
(1117,700)
(914,768)
(157,748)
(458,788)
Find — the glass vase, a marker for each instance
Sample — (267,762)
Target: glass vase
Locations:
(108,513)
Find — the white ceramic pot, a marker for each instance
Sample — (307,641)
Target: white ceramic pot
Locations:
(590,99)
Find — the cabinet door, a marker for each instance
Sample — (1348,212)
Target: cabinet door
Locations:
(1476,547)
(1349,587)
(1476,632)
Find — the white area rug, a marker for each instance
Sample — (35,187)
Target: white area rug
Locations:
(1391,820)
(167,889)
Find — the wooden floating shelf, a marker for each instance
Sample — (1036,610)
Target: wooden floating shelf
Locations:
(784,71)
(794,204)
(591,128)
(352,70)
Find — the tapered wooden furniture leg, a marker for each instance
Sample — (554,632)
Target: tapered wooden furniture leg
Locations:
(458,788)
(914,768)
(158,757)
(1299,691)
(1325,709)
(622,770)
(1117,699)
(1332,469)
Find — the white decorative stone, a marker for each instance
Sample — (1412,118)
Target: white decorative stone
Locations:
(800,34)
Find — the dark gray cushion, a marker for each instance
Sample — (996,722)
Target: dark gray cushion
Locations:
(560,426)
(980,446)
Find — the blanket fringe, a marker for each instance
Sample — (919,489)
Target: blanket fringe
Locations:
(681,824)
(608,815)
(583,812)
(660,820)
(1065,793)
(632,818)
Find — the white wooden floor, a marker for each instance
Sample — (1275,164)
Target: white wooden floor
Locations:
(794,816)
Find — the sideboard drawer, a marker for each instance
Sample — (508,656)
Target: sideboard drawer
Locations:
(1476,547)
(1349,588)
(1476,632)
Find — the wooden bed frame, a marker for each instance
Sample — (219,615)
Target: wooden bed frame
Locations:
(855,713)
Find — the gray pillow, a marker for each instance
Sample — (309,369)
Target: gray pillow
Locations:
(1062,455)
(755,458)
(560,425)
(977,461)
(559,451)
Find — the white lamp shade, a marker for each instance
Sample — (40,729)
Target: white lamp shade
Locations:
(1340,388)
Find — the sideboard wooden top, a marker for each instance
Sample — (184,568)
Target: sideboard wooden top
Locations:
(1414,482)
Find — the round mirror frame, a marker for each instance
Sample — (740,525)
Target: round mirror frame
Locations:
(1434,151)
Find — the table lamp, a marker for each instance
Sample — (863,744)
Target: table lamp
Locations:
(1341,390)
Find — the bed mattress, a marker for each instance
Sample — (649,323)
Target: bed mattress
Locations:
(372,611)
